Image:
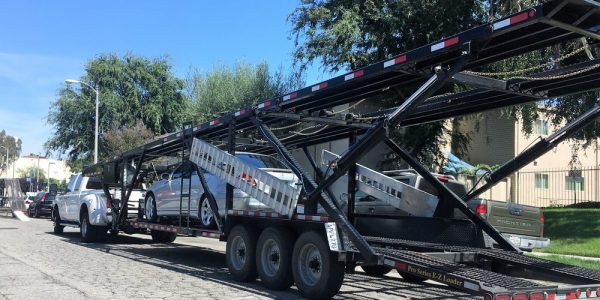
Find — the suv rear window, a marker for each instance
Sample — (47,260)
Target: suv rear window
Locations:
(262,161)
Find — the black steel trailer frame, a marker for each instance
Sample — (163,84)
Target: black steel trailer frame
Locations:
(467,265)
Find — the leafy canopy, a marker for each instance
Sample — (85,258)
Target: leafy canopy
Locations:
(224,88)
(13,145)
(132,88)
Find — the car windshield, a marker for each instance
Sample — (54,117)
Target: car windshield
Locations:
(262,161)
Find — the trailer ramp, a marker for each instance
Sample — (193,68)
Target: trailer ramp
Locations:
(276,194)
(387,189)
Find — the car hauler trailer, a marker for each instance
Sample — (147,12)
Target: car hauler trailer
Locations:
(292,238)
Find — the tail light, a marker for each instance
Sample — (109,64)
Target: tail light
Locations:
(588,293)
(502,297)
(542,225)
(443,178)
(247,178)
(481,209)
(43,198)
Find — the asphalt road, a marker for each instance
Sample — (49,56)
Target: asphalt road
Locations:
(37,264)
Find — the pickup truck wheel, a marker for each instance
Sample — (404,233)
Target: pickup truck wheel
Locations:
(89,233)
(376,270)
(58,229)
(205,214)
(317,271)
(150,208)
(240,253)
(274,258)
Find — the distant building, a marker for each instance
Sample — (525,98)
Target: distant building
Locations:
(549,180)
(58,169)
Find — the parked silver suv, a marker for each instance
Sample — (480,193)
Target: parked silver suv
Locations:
(163,198)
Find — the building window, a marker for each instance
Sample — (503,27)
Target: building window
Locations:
(541,181)
(574,183)
(541,127)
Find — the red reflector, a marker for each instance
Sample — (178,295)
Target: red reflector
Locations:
(451,41)
(551,297)
(248,179)
(536,296)
(502,297)
(571,295)
(359,73)
(578,293)
(588,293)
(400,266)
(323,85)
(520,297)
(400,59)
(542,217)
(519,18)
(443,178)
(481,209)
(43,198)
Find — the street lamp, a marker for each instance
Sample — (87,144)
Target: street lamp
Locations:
(70,81)
(49,163)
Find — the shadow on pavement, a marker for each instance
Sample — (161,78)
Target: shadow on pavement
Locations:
(209,264)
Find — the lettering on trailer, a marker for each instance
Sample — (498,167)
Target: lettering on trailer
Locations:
(434,275)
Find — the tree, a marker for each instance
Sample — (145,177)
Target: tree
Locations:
(132,88)
(346,34)
(14,150)
(120,139)
(225,89)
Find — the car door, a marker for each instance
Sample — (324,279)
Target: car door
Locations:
(73,199)
(63,207)
(171,197)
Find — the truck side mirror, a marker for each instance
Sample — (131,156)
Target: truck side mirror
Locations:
(164,176)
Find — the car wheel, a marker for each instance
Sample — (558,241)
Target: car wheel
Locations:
(274,258)
(240,253)
(205,214)
(36,213)
(150,208)
(317,272)
(58,229)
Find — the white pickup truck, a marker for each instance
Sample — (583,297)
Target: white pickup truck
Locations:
(84,205)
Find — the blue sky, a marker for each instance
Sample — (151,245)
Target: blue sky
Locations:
(42,43)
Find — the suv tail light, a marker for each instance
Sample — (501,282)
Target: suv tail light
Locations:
(43,198)
(481,209)
(542,226)
(502,297)
(247,178)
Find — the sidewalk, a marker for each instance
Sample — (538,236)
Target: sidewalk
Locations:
(565,255)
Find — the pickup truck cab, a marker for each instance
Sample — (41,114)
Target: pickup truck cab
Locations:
(85,205)
(522,225)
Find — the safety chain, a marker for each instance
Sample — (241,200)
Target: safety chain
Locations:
(566,75)
(516,72)
(349,107)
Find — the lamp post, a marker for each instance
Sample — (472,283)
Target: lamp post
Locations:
(49,163)
(70,81)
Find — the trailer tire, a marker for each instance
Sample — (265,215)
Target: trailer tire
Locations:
(240,253)
(411,278)
(58,229)
(317,272)
(163,237)
(376,270)
(274,258)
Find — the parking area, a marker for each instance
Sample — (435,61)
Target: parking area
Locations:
(36,264)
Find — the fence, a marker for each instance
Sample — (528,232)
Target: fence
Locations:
(557,187)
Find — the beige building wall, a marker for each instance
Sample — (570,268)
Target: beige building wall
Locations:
(58,168)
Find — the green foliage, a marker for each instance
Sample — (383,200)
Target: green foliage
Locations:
(347,34)
(132,88)
(14,149)
(343,34)
(119,139)
(225,89)
(32,172)
(572,231)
